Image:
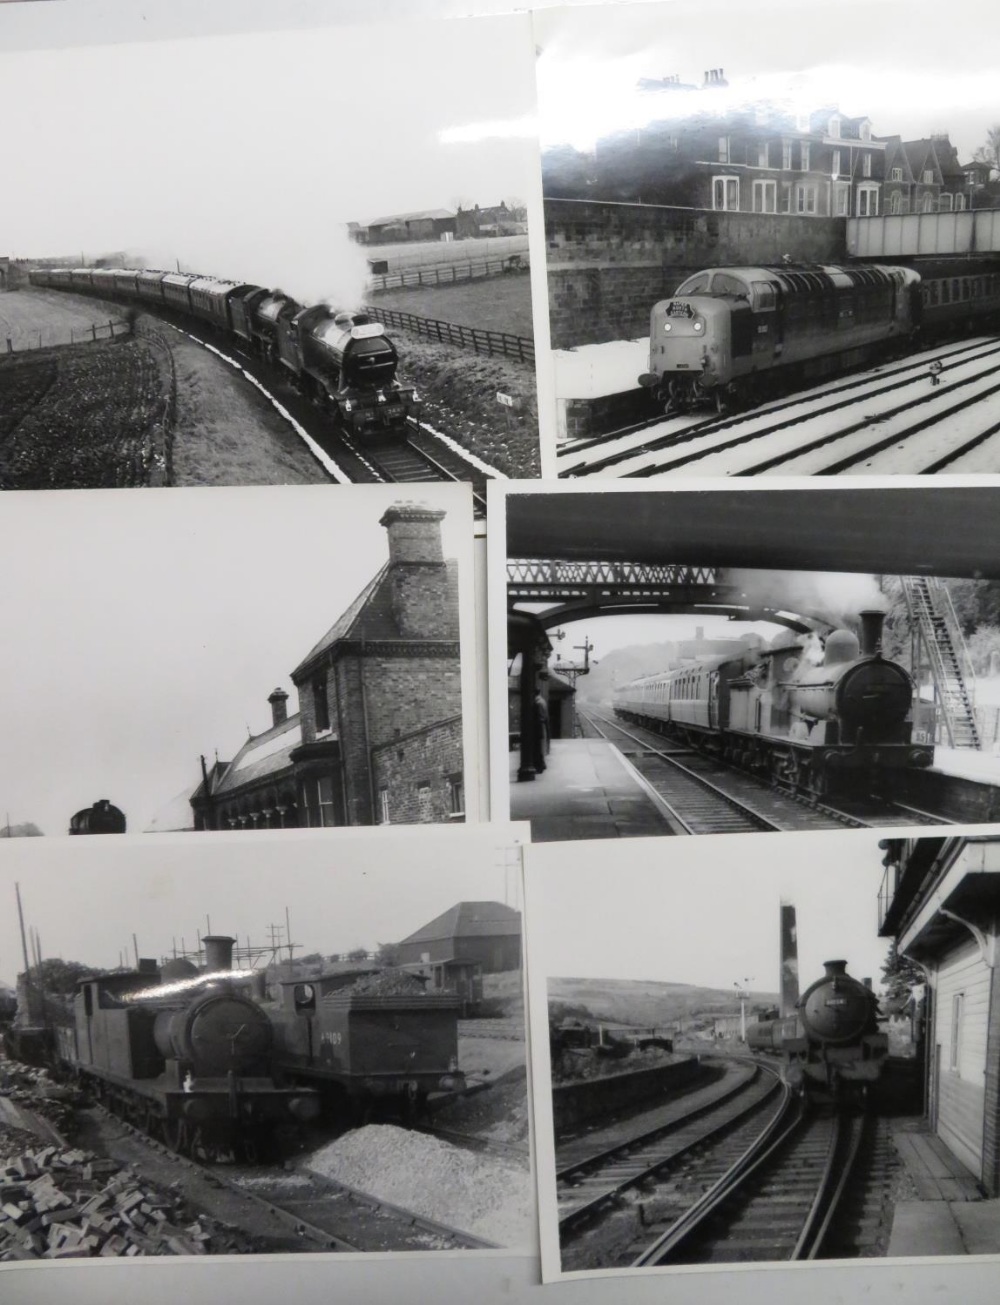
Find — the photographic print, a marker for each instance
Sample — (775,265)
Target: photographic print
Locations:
(747,1056)
(772,247)
(283,272)
(275,1045)
(742,660)
(244,660)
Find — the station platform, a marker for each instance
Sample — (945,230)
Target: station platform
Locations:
(597,387)
(950,1217)
(588,790)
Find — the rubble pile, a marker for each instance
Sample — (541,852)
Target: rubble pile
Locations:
(68,1204)
(34,1089)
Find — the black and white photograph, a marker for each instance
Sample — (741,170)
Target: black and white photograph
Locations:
(777,1058)
(232,1046)
(273,257)
(732,661)
(248,659)
(773,239)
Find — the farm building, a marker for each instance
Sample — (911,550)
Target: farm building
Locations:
(377,738)
(426,224)
(940,900)
(487,934)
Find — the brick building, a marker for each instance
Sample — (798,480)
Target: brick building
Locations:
(426,224)
(702,150)
(377,738)
(940,900)
(484,934)
(924,176)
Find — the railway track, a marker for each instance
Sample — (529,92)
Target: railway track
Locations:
(776,1201)
(329,1215)
(772,807)
(849,425)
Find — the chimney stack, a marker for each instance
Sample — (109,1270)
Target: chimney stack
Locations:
(871,631)
(279,706)
(414,534)
(424,594)
(218,952)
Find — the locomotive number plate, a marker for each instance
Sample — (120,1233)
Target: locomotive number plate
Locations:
(836,1001)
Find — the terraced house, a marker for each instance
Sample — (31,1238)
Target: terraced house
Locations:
(377,738)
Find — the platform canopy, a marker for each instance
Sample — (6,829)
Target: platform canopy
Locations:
(942,530)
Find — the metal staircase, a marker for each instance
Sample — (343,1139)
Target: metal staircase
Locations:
(933,616)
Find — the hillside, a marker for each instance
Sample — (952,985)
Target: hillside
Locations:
(647,1002)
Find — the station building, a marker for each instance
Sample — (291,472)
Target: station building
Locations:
(377,738)
(940,900)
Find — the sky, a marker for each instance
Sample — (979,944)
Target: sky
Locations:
(913,68)
(343,889)
(243,155)
(678,911)
(141,630)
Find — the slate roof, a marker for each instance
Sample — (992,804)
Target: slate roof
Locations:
(421,215)
(470,920)
(263,755)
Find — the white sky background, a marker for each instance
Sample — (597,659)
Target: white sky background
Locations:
(352,888)
(913,68)
(241,155)
(677,911)
(140,630)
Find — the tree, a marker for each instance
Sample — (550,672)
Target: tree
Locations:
(387,953)
(900,976)
(358,954)
(990,152)
(26,830)
(55,975)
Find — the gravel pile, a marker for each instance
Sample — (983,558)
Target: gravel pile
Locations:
(477,1193)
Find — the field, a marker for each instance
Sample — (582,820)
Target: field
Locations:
(497,303)
(424,252)
(39,318)
(646,1003)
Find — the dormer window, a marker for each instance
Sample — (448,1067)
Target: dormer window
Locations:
(321,707)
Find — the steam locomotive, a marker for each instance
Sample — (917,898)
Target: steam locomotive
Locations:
(184,1055)
(732,336)
(102,818)
(344,362)
(832,1045)
(816,720)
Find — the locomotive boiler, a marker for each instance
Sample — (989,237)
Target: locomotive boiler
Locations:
(832,1045)
(816,716)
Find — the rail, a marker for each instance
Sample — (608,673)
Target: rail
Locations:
(492,343)
(49,337)
(448,273)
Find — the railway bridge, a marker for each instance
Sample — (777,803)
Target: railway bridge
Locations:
(623,549)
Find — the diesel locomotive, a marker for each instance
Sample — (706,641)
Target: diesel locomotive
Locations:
(832,1046)
(344,362)
(814,716)
(732,336)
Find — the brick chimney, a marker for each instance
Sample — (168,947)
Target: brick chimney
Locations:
(424,593)
(279,706)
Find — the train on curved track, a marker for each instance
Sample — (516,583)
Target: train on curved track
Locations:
(344,362)
(817,717)
(203,1061)
(730,337)
(832,1045)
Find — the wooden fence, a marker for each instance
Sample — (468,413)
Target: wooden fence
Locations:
(494,343)
(449,273)
(47,337)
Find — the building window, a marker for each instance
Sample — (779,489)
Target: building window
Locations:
(836,163)
(842,199)
(763,156)
(723,149)
(318,802)
(945,204)
(804,157)
(786,155)
(928,177)
(895,202)
(425,812)
(866,131)
(866,164)
(896,174)
(765,196)
(726,193)
(456,797)
(805,199)
(321,707)
(383,806)
(957,1013)
(959,202)
(927,203)
(868,201)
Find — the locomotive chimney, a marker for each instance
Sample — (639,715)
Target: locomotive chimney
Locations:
(835,969)
(279,706)
(218,952)
(871,631)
